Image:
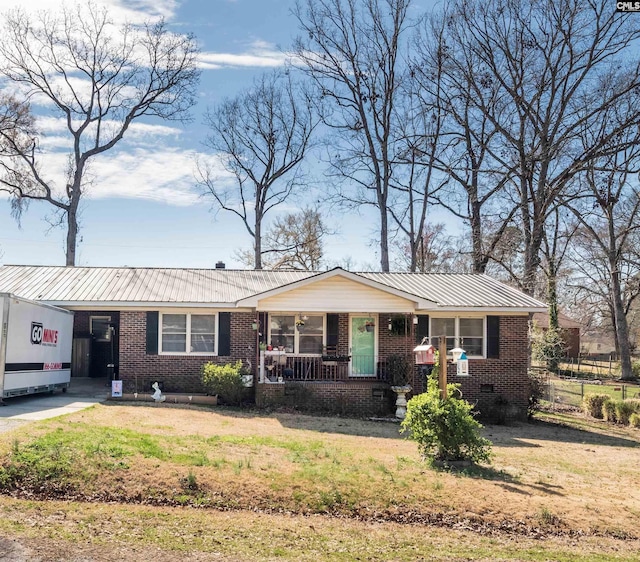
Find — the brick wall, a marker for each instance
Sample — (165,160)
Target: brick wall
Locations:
(364,398)
(500,386)
(176,373)
(494,385)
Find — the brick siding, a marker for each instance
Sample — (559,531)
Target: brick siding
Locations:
(363,398)
(500,386)
(495,386)
(176,373)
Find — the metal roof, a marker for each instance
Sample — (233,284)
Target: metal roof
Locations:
(130,286)
(457,290)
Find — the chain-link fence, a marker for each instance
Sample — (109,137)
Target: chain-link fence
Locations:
(571,392)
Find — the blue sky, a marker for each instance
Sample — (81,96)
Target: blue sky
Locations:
(144,208)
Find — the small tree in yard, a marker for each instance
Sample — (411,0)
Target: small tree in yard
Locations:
(445,429)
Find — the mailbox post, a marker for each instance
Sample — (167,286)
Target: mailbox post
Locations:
(442,370)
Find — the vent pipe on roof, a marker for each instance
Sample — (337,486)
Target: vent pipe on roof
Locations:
(220,265)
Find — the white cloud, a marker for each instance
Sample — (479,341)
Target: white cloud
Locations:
(132,11)
(163,175)
(159,174)
(55,133)
(260,54)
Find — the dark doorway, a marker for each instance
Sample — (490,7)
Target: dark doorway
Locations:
(104,328)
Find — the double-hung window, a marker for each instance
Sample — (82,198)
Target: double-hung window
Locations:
(297,334)
(467,333)
(188,333)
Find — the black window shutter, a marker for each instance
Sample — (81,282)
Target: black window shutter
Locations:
(332,330)
(152,333)
(493,337)
(224,337)
(422,329)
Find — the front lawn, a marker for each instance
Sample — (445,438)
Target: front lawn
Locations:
(247,485)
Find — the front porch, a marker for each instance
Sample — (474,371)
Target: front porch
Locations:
(280,367)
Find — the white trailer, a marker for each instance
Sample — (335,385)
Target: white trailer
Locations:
(35,347)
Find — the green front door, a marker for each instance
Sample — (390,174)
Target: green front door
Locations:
(363,346)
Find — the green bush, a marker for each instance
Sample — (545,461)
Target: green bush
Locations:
(225,381)
(624,409)
(445,429)
(609,411)
(634,420)
(635,369)
(592,404)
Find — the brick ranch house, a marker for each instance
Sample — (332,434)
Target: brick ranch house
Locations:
(330,333)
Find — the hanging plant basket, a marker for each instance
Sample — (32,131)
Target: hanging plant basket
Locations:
(369,326)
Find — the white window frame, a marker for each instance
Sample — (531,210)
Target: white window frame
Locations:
(188,351)
(457,338)
(91,319)
(296,331)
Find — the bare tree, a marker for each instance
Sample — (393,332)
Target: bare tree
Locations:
(558,235)
(262,136)
(607,249)
(417,181)
(352,51)
(436,252)
(476,182)
(98,78)
(16,132)
(539,72)
(294,241)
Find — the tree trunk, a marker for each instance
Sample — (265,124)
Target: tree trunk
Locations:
(532,257)
(384,239)
(72,236)
(621,325)
(479,261)
(552,299)
(257,245)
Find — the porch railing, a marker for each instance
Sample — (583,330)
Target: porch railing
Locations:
(327,368)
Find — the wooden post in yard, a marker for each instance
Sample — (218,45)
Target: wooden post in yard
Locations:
(442,371)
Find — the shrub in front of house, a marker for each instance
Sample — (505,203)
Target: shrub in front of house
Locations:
(624,409)
(634,421)
(592,404)
(445,430)
(609,411)
(635,369)
(225,381)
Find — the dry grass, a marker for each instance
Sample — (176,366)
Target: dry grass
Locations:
(289,484)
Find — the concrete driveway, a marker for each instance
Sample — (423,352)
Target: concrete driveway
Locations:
(82,393)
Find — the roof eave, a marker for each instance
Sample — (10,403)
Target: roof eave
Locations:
(120,305)
(493,309)
(420,302)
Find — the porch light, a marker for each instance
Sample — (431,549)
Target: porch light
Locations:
(457,353)
(254,326)
(415,320)
(425,354)
(390,325)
